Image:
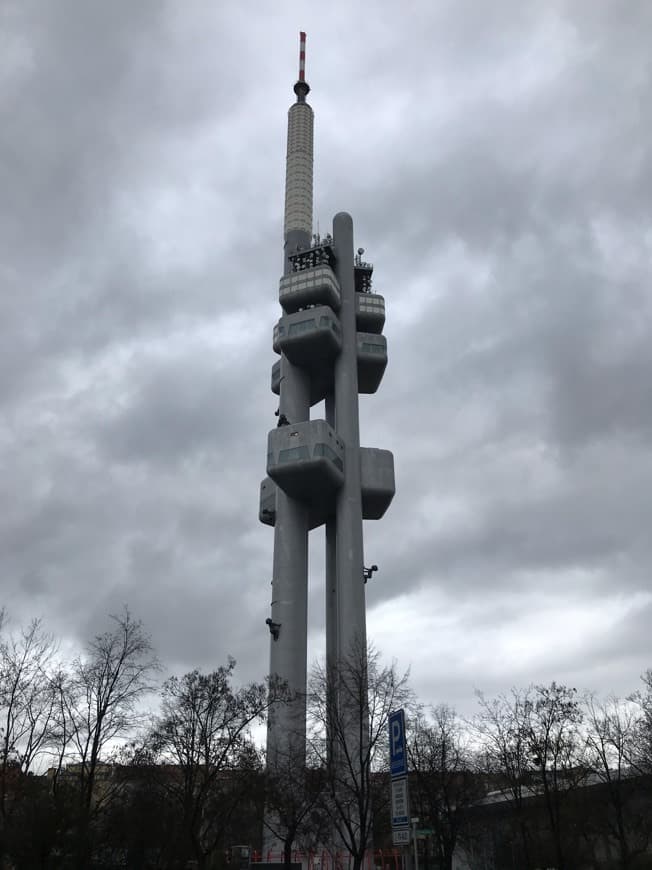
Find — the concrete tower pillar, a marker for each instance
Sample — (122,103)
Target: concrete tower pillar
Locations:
(350,620)
(286,734)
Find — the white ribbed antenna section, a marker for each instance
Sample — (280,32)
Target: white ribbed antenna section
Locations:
(298,173)
(298,169)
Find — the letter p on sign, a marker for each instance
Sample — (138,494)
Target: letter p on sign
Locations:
(397,745)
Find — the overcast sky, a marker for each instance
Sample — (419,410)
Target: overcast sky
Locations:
(496,160)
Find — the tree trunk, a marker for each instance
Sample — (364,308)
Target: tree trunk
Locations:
(525,843)
(622,833)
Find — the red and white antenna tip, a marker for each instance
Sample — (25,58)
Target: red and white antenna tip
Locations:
(301,87)
(302,56)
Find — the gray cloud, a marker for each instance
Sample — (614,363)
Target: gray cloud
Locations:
(495,163)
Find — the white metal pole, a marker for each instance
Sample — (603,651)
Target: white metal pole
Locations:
(415,822)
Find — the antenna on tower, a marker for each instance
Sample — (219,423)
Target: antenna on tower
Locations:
(302,56)
(302,88)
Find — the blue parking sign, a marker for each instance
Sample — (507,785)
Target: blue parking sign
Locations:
(397,752)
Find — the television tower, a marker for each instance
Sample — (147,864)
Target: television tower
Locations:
(331,347)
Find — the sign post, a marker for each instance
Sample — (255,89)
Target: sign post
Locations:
(415,822)
(400,801)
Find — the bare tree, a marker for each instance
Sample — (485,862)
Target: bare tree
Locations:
(557,747)
(348,713)
(100,699)
(506,761)
(98,702)
(27,703)
(533,746)
(641,751)
(444,780)
(293,814)
(203,736)
(612,727)
(26,696)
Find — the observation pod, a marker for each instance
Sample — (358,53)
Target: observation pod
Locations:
(321,382)
(310,285)
(306,460)
(319,509)
(267,502)
(371,355)
(369,312)
(377,485)
(310,337)
(276,378)
(372,360)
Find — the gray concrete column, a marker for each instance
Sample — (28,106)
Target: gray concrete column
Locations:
(351,628)
(286,727)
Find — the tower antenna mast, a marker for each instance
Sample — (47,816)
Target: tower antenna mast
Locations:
(302,88)
(302,56)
